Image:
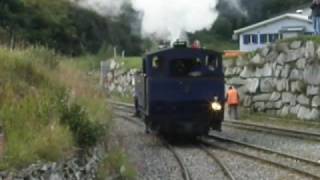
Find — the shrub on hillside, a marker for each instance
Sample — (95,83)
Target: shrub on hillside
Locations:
(85,132)
(30,104)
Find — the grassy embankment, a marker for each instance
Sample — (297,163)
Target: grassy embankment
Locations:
(115,163)
(49,108)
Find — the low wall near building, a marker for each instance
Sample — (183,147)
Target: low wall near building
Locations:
(281,79)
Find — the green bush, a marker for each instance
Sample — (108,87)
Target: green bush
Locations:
(116,163)
(85,132)
(30,118)
(30,106)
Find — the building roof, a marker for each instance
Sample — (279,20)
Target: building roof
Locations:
(268,21)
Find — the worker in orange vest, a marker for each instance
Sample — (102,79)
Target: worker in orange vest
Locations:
(233,101)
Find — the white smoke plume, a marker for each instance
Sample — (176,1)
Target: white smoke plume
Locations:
(170,19)
(236,4)
(103,7)
(165,19)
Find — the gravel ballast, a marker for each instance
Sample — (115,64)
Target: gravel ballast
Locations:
(152,160)
(299,147)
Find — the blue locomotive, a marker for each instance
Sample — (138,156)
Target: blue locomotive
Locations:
(181,90)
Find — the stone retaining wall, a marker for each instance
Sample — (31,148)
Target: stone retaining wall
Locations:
(115,78)
(282,79)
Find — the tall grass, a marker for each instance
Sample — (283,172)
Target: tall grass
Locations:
(29,108)
(85,91)
(36,92)
(50,106)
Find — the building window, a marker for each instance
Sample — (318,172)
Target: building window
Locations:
(250,39)
(254,38)
(273,37)
(263,38)
(246,39)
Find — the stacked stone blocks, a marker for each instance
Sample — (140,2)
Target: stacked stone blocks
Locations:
(282,79)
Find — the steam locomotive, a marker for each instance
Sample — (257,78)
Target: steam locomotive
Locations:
(180,90)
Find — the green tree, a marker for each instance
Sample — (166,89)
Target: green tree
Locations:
(11,17)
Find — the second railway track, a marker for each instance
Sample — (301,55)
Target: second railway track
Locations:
(289,162)
(292,163)
(243,125)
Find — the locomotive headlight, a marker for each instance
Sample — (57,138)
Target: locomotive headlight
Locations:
(216,106)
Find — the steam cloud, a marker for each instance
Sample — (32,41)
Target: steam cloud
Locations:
(236,4)
(165,19)
(103,7)
(169,19)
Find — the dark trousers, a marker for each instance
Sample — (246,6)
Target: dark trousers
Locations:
(233,112)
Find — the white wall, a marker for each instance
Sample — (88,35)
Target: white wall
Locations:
(271,28)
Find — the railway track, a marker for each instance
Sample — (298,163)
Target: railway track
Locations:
(223,166)
(289,162)
(282,160)
(184,170)
(274,130)
(248,126)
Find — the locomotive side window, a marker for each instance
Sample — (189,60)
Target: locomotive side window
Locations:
(212,63)
(194,67)
(185,67)
(157,66)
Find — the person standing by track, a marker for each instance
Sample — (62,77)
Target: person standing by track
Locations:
(233,101)
(315,6)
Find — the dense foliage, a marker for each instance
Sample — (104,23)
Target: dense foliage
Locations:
(70,29)
(63,26)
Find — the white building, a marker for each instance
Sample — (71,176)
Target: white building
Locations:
(284,26)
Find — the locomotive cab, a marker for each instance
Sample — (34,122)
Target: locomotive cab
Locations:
(181,91)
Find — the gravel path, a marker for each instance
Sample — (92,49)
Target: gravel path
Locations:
(295,146)
(152,160)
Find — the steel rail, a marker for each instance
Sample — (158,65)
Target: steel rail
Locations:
(252,126)
(185,171)
(273,129)
(224,168)
(266,150)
